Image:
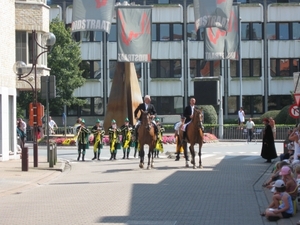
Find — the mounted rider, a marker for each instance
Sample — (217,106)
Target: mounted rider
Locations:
(146,106)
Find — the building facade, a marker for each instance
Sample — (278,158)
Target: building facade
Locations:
(263,82)
(18,20)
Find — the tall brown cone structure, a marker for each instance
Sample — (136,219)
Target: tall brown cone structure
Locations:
(125,95)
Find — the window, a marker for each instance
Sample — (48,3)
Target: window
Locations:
(164,32)
(251,31)
(113,33)
(21,46)
(167,105)
(92,107)
(283,67)
(165,69)
(271,33)
(163,1)
(97,36)
(177,33)
(277,102)
(283,29)
(193,35)
(251,104)
(91,69)
(202,68)
(296,31)
(250,68)
(154,32)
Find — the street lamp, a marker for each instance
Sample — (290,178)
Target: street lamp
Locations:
(20,68)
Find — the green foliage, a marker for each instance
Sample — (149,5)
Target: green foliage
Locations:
(64,61)
(210,114)
(272,113)
(23,100)
(283,116)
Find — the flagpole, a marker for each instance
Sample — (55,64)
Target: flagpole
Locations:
(240,60)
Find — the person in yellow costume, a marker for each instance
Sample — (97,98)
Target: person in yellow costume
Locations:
(98,133)
(159,144)
(114,142)
(127,131)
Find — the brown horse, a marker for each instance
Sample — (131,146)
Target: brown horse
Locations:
(194,135)
(146,135)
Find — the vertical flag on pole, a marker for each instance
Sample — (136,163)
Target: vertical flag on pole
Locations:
(219,44)
(212,13)
(134,29)
(93,15)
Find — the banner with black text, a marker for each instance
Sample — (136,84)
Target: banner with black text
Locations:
(134,33)
(212,13)
(92,15)
(219,44)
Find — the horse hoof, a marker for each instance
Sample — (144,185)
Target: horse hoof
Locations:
(152,166)
(194,167)
(141,165)
(187,165)
(201,167)
(148,168)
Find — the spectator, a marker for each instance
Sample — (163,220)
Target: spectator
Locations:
(290,154)
(273,126)
(268,150)
(159,141)
(275,175)
(20,132)
(295,137)
(290,183)
(52,125)
(281,205)
(241,118)
(250,128)
(178,126)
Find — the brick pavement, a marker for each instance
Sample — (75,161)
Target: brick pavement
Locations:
(118,192)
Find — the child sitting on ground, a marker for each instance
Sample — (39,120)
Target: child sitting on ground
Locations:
(275,175)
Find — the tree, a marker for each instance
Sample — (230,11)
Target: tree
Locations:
(64,61)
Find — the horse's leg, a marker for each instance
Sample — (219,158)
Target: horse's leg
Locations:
(192,151)
(184,144)
(142,153)
(152,159)
(200,162)
(150,155)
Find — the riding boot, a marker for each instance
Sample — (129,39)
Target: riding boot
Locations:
(98,156)
(94,156)
(79,154)
(111,156)
(83,157)
(115,155)
(177,157)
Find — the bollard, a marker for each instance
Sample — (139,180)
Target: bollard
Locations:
(25,159)
(51,157)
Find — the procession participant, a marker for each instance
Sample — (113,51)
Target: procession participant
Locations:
(188,114)
(146,106)
(159,145)
(82,139)
(126,130)
(114,141)
(178,126)
(98,132)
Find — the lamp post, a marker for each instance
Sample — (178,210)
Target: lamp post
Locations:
(20,68)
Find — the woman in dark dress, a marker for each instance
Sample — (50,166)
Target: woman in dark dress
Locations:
(268,150)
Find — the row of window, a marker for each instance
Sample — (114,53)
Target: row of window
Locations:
(174,105)
(198,68)
(174,32)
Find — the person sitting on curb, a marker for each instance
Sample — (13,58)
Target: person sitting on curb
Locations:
(290,183)
(275,175)
(281,205)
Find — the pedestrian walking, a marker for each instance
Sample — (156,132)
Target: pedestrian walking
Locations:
(82,139)
(250,129)
(268,150)
(126,130)
(98,133)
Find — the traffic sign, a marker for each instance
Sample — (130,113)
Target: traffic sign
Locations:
(297,98)
(294,111)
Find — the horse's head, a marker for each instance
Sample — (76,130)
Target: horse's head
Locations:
(145,117)
(197,116)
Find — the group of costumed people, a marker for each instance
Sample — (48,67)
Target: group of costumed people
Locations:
(124,136)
